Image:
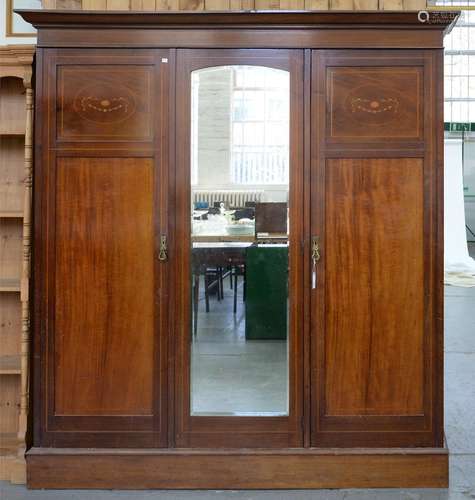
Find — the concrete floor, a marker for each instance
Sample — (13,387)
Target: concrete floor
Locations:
(460,431)
(229,374)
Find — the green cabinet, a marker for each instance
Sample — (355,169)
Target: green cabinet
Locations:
(266,292)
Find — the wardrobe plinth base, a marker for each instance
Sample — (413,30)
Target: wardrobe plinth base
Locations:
(237,469)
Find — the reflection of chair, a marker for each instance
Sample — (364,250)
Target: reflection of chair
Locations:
(238,270)
(244,213)
(213,279)
(271,218)
(211,260)
(217,204)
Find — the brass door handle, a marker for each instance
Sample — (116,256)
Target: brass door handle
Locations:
(315,258)
(163,252)
(315,249)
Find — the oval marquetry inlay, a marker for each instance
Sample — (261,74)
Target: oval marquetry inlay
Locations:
(373,105)
(381,105)
(104,104)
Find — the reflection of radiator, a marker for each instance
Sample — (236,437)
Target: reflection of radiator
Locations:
(230,198)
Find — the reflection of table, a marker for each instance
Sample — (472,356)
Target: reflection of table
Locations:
(266,271)
(221,238)
(215,253)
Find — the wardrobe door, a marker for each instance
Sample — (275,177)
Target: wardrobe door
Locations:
(100,208)
(376,282)
(239,211)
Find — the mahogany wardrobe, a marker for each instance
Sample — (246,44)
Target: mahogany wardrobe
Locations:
(129,387)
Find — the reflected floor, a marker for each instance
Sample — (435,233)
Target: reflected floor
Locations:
(232,375)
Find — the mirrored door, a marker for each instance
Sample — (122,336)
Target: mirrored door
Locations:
(239,191)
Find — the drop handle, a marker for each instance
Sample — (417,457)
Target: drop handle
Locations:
(315,249)
(315,258)
(163,252)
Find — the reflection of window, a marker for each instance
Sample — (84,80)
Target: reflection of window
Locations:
(459,71)
(260,126)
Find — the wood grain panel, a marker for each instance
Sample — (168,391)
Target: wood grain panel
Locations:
(225,5)
(366,5)
(167,4)
(368,103)
(241,4)
(10,324)
(292,4)
(9,404)
(11,248)
(391,4)
(94,4)
(68,4)
(267,4)
(12,106)
(217,5)
(142,4)
(118,5)
(104,102)
(104,280)
(243,469)
(191,4)
(12,167)
(374,298)
(341,4)
(316,4)
(414,4)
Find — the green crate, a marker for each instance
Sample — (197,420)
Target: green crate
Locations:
(267,292)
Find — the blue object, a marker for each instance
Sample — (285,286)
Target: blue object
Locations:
(201,205)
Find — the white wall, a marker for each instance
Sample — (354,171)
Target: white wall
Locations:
(214,127)
(469,183)
(456,250)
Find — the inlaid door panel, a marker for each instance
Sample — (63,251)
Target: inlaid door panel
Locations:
(366,103)
(104,102)
(374,308)
(104,276)
(101,188)
(375,340)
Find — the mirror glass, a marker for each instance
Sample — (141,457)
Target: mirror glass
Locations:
(239,241)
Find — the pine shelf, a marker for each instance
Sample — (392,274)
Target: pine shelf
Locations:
(10,285)
(12,214)
(14,133)
(10,365)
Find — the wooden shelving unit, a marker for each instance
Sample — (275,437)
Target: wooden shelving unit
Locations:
(16,120)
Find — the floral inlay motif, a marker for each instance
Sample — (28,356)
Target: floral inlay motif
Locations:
(374,106)
(101,103)
(104,105)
